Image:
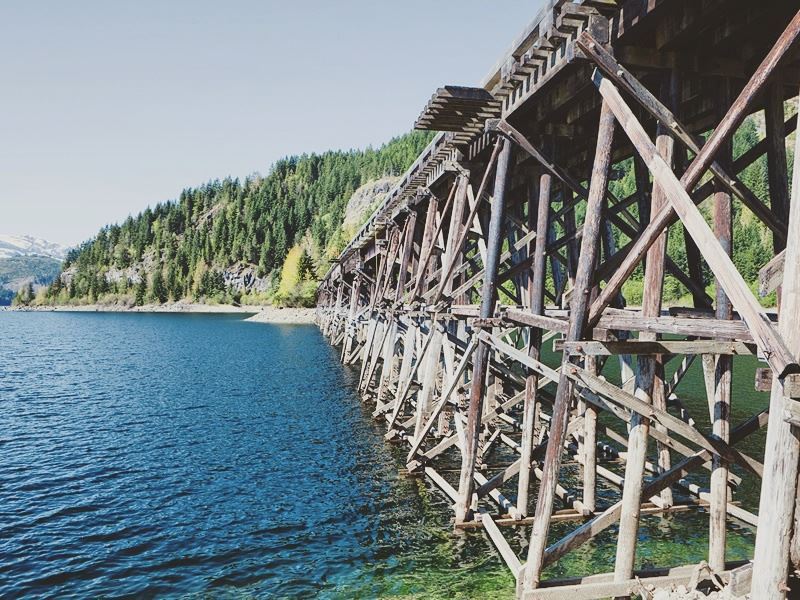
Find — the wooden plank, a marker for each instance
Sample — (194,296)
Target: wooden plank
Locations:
(522,317)
(602,588)
(441,482)
(500,543)
(703,328)
(740,580)
(593,591)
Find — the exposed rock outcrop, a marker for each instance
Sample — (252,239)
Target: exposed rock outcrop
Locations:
(365,200)
(242,277)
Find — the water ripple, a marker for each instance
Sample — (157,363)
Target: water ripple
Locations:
(176,455)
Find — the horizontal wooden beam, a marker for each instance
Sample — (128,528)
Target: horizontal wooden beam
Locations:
(609,348)
(603,585)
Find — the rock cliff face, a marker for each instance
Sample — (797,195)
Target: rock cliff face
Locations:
(365,200)
(242,277)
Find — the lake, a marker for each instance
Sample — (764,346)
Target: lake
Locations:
(170,455)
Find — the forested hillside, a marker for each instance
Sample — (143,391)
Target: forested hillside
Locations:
(227,241)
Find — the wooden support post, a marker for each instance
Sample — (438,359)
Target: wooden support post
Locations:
(480,364)
(589,449)
(350,325)
(649,377)
(626,371)
(389,342)
(431,370)
(425,262)
(337,308)
(779,485)
(406,364)
(694,260)
(569,231)
(555,264)
(776,157)
(720,408)
(389,262)
(536,300)
(643,189)
(459,230)
(377,286)
(408,246)
(428,243)
(776,161)
(578,313)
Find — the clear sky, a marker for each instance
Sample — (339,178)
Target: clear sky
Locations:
(109,106)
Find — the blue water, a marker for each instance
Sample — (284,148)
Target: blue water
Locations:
(146,455)
(197,455)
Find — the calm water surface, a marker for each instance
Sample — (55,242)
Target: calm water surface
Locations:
(202,456)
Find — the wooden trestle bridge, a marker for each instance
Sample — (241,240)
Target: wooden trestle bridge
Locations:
(504,236)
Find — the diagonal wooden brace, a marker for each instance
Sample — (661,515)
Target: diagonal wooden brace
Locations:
(766,337)
(627,82)
(666,216)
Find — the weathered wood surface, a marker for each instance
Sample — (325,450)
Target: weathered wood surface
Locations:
(501,242)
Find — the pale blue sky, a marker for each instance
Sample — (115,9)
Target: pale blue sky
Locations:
(109,106)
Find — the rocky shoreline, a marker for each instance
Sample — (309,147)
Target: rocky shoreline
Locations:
(258,314)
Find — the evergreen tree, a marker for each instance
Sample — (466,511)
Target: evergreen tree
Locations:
(25,295)
(141,291)
(305,266)
(173,284)
(159,290)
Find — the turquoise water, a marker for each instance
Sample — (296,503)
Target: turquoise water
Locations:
(199,455)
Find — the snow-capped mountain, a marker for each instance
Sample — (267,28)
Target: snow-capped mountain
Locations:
(26,245)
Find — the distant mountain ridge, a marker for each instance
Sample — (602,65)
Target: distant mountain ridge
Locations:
(26,245)
(27,262)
